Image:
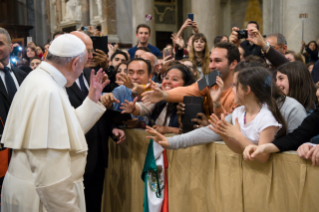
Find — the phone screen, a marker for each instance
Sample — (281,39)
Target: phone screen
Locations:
(167,52)
(29,39)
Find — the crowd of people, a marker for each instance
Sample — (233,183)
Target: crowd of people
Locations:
(60,104)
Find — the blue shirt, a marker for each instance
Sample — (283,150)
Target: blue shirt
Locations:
(123,93)
(153,49)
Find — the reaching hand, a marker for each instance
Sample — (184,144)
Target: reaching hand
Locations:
(258,39)
(180,112)
(97,85)
(178,41)
(313,154)
(233,38)
(160,128)
(157,137)
(195,27)
(187,23)
(90,29)
(124,80)
(154,96)
(229,130)
(215,94)
(107,100)
(120,134)
(201,120)
(128,107)
(100,58)
(303,43)
(304,149)
(252,151)
(167,58)
(112,49)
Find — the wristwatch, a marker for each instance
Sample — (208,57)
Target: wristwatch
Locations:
(266,47)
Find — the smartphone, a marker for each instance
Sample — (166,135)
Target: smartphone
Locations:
(193,105)
(29,39)
(167,52)
(100,43)
(84,28)
(190,16)
(208,80)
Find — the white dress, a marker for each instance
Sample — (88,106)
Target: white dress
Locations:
(49,147)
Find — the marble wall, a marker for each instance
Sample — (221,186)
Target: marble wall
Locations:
(282,16)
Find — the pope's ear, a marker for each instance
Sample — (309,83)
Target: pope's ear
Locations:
(75,63)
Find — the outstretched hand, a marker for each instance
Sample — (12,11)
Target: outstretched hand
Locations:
(154,96)
(157,137)
(97,85)
(128,107)
(258,39)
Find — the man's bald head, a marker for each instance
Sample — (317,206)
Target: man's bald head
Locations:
(89,46)
(151,58)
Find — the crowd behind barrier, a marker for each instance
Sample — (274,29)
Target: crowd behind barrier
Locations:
(211,178)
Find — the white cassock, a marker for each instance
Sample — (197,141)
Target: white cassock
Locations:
(49,148)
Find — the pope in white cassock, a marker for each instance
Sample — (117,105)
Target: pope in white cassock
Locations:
(47,134)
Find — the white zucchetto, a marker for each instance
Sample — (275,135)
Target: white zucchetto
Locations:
(67,45)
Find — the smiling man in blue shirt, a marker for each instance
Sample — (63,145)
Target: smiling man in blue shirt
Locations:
(143,33)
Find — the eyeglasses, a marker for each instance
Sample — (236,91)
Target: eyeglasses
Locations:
(278,47)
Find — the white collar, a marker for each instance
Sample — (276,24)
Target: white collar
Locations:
(9,65)
(55,73)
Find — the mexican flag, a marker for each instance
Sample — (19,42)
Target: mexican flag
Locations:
(155,179)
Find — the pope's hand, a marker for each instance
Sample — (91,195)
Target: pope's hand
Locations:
(97,85)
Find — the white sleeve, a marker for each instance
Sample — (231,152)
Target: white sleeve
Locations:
(89,113)
(51,171)
(145,110)
(267,120)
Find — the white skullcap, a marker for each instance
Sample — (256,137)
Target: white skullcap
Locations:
(67,45)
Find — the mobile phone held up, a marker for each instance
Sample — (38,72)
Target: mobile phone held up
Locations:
(190,16)
(167,52)
(84,28)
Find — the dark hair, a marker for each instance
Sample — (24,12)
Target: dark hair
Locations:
(119,52)
(301,85)
(313,42)
(187,74)
(98,27)
(143,26)
(57,33)
(143,48)
(253,22)
(254,58)
(281,40)
(232,51)
(168,64)
(218,38)
(34,58)
(188,79)
(116,68)
(310,64)
(149,68)
(277,94)
(260,83)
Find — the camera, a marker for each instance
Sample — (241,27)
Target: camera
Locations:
(242,34)
(84,28)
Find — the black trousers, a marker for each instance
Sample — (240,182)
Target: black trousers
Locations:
(93,184)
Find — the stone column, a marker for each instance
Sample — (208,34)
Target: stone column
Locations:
(85,12)
(283,17)
(207,15)
(139,9)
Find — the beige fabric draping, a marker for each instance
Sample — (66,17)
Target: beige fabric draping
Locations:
(212,178)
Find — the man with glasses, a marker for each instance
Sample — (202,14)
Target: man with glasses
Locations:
(278,42)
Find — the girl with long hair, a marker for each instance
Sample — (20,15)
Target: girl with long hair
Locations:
(295,81)
(199,53)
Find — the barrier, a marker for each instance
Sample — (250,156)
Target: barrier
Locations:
(211,178)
